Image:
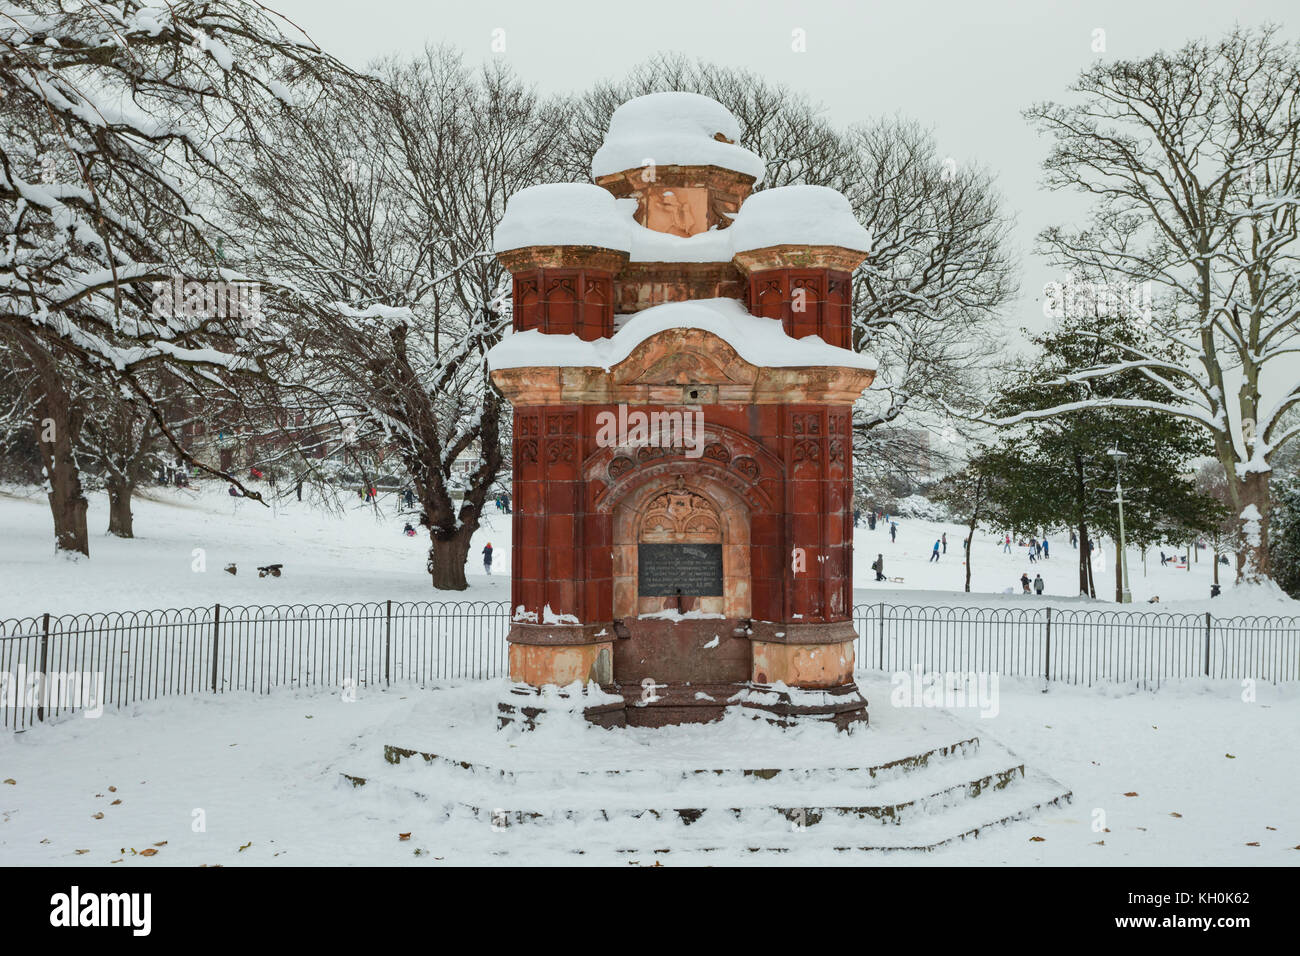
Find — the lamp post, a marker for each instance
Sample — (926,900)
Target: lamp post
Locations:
(1122,593)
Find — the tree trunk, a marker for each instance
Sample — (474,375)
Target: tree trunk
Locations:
(119,508)
(1216,565)
(447,557)
(969,538)
(1253,563)
(1084,556)
(57,425)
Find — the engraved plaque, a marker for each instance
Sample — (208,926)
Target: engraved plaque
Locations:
(694,570)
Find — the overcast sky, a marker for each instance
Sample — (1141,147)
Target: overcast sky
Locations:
(965,69)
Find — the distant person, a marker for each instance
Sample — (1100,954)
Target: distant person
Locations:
(944,538)
(879,567)
(409,497)
(1006,545)
(234,492)
(871,521)
(1164,559)
(857,516)
(934,555)
(1038,584)
(408,530)
(487,558)
(1045,552)
(893,532)
(1032,559)
(1024,582)
(1074,539)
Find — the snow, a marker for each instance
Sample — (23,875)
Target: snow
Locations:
(797,215)
(574,214)
(581,214)
(673,129)
(759,341)
(263,775)
(357,553)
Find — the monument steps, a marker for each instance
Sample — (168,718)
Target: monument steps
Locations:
(919,802)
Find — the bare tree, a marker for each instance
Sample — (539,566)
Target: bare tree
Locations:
(1192,159)
(383,206)
(116,120)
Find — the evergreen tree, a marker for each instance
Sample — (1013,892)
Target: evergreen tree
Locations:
(1057,471)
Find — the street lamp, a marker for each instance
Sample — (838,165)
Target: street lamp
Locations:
(1122,593)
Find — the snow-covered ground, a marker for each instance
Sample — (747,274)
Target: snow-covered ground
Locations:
(1190,775)
(358,553)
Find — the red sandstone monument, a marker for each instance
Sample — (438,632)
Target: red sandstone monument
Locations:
(682,376)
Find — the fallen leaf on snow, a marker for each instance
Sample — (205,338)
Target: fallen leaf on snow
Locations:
(1230,756)
(149,852)
(1037,839)
(161,843)
(79,852)
(112,789)
(1174,813)
(403,836)
(1252,844)
(115,803)
(11,781)
(245,846)
(97,816)
(1131,793)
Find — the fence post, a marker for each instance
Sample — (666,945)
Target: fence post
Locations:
(45,681)
(1207,643)
(216,627)
(881,631)
(388,639)
(1047,656)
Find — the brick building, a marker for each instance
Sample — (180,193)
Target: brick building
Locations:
(682,382)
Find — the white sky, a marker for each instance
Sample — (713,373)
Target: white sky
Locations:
(965,69)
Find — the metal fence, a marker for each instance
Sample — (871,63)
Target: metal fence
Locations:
(1085,646)
(54,664)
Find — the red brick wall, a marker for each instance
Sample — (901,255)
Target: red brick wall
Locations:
(579,301)
(825,296)
(563,530)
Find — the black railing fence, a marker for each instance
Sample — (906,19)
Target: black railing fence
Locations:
(58,664)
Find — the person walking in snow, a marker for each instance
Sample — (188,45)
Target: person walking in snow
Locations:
(1074,539)
(1006,547)
(1024,582)
(944,538)
(934,555)
(487,558)
(857,516)
(1038,584)
(871,521)
(893,531)
(1045,554)
(1032,559)
(879,567)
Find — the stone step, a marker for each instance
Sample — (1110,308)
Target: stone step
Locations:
(1019,801)
(803,799)
(868,775)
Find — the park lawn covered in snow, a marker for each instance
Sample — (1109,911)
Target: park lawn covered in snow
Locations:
(357,552)
(1188,775)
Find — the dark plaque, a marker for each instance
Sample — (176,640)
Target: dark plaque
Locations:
(694,570)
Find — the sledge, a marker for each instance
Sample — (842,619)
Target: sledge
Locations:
(894,580)
(271,569)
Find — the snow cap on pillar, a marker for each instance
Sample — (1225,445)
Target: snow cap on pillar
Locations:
(564,214)
(798,226)
(674,129)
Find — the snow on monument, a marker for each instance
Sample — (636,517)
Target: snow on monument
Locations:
(682,379)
